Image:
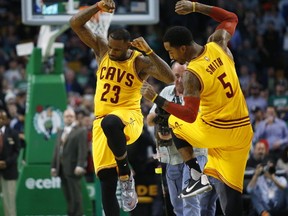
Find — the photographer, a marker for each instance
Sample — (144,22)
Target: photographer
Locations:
(268,191)
(177,173)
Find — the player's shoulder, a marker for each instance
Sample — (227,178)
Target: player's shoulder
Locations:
(141,58)
(142,61)
(213,45)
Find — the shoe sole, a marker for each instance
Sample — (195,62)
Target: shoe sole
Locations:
(200,191)
(130,209)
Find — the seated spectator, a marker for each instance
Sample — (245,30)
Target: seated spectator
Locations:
(259,154)
(267,191)
(21,101)
(13,73)
(274,130)
(282,162)
(10,97)
(258,116)
(280,100)
(16,122)
(71,83)
(255,99)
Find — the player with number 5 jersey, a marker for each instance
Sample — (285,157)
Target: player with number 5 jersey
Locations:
(214,114)
(223,123)
(220,89)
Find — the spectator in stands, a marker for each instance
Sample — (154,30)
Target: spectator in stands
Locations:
(15,105)
(87,103)
(282,162)
(267,191)
(273,16)
(280,100)
(13,73)
(10,97)
(283,9)
(270,79)
(74,100)
(258,116)
(263,63)
(247,55)
(21,102)
(177,172)
(69,161)
(251,4)
(259,154)
(85,76)
(9,151)
(273,42)
(274,130)
(72,85)
(245,79)
(255,99)
(16,122)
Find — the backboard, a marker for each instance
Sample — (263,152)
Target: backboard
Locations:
(58,12)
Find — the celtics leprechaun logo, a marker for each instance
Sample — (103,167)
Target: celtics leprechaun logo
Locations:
(47,120)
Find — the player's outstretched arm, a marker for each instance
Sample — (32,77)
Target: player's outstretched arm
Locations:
(78,21)
(151,64)
(228,20)
(187,112)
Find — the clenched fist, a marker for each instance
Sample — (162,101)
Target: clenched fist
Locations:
(106,5)
(147,91)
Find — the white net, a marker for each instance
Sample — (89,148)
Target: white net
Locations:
(99,24)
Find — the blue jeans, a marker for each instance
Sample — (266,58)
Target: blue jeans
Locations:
(208,200)
(279,203)
(230,199)
(177,178)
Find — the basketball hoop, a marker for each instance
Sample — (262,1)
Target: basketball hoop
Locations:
(47,37)
(99,23)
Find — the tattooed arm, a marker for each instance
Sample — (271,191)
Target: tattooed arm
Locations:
(77,23)
(151,64)
(187,112)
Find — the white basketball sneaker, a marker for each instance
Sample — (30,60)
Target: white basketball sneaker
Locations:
(129,196)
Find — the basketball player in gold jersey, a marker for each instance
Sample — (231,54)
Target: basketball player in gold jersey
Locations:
(119,120)
(215,114)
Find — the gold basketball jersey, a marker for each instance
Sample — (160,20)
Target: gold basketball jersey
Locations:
(118,86)
(222,103)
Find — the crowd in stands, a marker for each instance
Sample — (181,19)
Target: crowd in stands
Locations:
(260,48)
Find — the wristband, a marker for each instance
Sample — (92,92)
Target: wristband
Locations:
(193,6)
(153,99)
(159,101)
(149,52)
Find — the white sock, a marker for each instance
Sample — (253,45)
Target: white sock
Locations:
(195,174)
